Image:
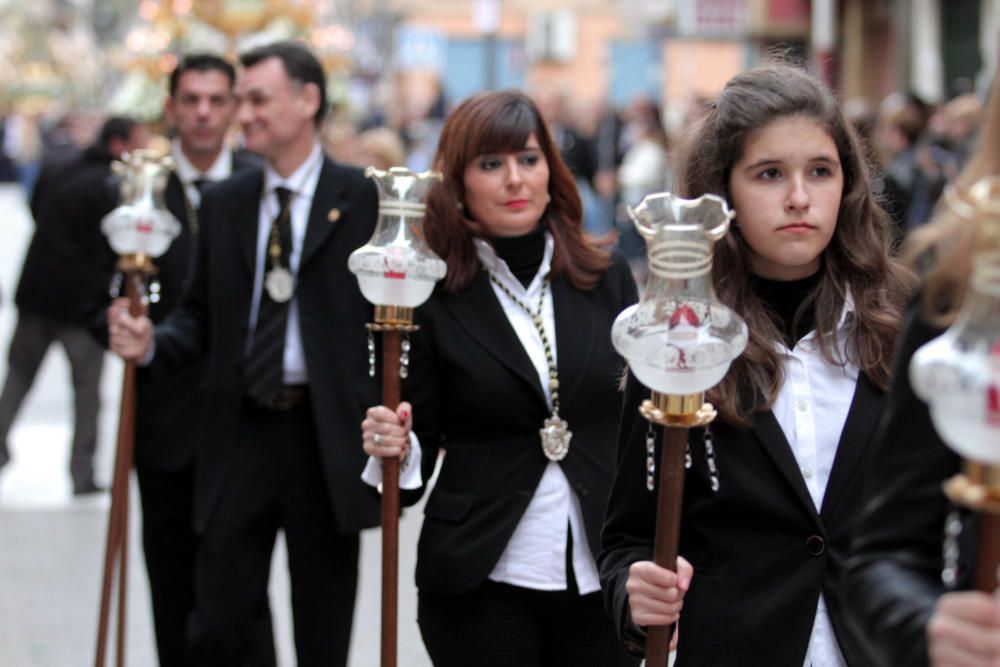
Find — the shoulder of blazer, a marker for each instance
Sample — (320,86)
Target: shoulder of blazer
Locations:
(243,183)
(244,159)
(346,177)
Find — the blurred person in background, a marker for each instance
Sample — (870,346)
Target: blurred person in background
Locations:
(576,151)
(900,126)
(646,168)
(66,272)
(380,147)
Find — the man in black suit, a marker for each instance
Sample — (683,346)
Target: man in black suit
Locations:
(200,110)
(63,276)
(279,320)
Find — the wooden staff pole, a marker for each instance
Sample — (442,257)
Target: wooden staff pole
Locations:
(668,529)
(116,548)
(988,551)
(391,395)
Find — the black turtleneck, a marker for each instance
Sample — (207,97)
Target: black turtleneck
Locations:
(523,254)
(784,298)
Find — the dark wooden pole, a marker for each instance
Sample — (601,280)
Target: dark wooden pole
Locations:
(391,396)
(668,529)
(116,548)
(988,551)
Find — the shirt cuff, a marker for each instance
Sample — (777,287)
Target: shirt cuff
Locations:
(409,470)
(148,358)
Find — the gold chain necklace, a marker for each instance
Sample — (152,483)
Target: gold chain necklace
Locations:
(555,431)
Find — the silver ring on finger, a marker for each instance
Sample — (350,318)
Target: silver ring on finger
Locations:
(377,439)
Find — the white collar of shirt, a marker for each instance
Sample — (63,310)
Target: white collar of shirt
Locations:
(498,267)
(302,183)
(188,173)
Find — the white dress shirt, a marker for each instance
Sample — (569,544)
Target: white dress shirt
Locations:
(811,408)
(302,183)
(188,173)
(535,556)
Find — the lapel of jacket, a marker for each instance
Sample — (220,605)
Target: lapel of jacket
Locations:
(329,195)
(244,216)
(174,198)
(861,420)
(477,310)
(768,432)
(575,335)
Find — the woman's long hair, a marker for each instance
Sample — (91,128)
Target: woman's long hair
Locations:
(500,122)
(857,258)
(949,238)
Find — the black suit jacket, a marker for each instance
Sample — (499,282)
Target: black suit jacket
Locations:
(894,572)
(168,406)
(69,263)
(756,585)
(211,323)
(476,394)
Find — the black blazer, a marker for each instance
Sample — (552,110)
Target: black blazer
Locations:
(894,571)
(69,263)
(168,406)
(761,552)
(212,320)
(476,394)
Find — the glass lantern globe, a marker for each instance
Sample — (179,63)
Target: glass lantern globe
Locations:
(397,267)
(958,373)
(679,339)
(142,225)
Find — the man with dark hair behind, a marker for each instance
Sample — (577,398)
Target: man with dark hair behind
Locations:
(63,276)
(199,110)
(279,321)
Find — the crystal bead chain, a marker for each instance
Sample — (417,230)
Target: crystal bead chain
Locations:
(371,355)
(950,549)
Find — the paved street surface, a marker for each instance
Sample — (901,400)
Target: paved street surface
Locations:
(52,545)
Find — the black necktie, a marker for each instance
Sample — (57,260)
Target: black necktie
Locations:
(264,370)
(200,184)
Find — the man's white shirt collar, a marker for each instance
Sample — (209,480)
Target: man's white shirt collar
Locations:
(188,173)
(302,181)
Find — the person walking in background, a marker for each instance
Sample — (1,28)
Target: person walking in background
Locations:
(199,109)
(280,323)
(505,566)
(901,607)
(65,273)
(807,266)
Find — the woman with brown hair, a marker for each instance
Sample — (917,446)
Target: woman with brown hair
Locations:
(514,377)
(911,611)
(807,266)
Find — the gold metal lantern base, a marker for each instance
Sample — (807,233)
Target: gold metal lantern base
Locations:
(138,262)
(684,410)
(978,487)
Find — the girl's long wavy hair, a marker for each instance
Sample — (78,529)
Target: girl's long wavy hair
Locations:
(500,122)
(857,258)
